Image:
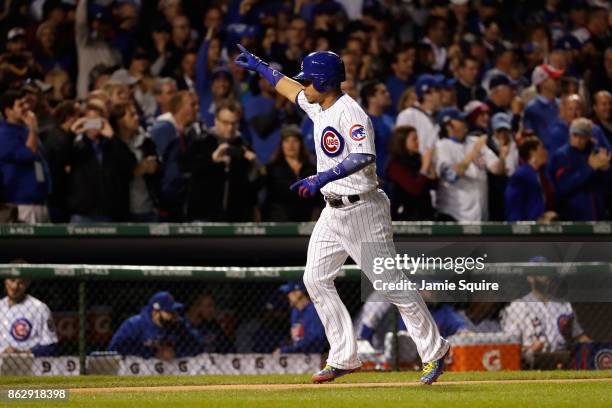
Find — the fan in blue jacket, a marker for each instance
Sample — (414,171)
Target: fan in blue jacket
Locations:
(158,331)
(524,194)
(581,171)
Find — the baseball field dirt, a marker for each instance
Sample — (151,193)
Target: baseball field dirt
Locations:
(502,389)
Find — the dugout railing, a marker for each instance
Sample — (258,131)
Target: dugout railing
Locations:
(241,318)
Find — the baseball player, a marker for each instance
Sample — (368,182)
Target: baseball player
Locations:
(357,212)
(26,325)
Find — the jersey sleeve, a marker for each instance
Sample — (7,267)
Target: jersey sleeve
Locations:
(357,130)
(311,109)
(48,334)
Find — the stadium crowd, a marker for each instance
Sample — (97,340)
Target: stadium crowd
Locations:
(133,110)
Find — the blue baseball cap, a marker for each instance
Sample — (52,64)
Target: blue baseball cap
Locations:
(426,82)
(501,120)
(448,114)
(293,285)
(164,301)
(499,80)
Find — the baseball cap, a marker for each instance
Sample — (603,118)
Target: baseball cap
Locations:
(447,114)
(544,71)
(499,80)
(474,107)
(221,72)
(581,127)
(123,77)
(291,286)
(501,120)
(425,83)
(15,33)
(164,301)
(290,130)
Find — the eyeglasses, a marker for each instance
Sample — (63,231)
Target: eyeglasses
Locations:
(228,122)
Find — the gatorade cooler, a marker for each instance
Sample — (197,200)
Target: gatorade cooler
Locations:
(484,352)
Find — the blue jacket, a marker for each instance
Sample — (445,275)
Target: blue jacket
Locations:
(139,336)
(524,195)
(539,113)
(556,135)
(174,183)
(383,126)
(447,319)
(264,122)
(580,189)
(18,168)
(307,332)
(396,88)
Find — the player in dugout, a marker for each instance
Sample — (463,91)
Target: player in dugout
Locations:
(158,331)
(25,322)
(307,332)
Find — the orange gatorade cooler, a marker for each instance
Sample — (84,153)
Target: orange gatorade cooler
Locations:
(484,352)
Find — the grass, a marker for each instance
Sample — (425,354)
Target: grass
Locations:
(522,395)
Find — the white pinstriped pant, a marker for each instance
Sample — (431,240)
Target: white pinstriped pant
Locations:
(339,233)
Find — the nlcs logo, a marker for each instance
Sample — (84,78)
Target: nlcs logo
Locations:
(357,133)
(332,143)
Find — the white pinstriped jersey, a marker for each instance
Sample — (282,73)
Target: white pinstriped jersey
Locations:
(26,324)
(339,130)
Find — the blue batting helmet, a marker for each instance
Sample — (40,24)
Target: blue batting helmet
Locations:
(324,68)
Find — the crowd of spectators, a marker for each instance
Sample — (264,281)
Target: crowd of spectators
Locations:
(133,110)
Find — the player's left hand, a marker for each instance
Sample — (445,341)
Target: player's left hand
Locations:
(248,60)
(307,187)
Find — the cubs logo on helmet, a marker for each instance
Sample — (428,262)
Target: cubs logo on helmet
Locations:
(357,133)
(332,143)
(21,329)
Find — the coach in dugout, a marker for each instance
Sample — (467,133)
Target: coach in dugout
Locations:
(307,332)
(26,325)
(158,331)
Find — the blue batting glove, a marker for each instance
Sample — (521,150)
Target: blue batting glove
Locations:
(248,60)
(308,187)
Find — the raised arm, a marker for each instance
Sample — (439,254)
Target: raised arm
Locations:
(285,86)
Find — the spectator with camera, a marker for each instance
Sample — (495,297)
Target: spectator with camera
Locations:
(101,169)
(23,169)
(158,331)
(144,186)
(411,177)
(223,170)
(580,171)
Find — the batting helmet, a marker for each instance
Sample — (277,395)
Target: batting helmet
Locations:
(324,68)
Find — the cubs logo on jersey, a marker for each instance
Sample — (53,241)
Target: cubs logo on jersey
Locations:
(21,329)
(332,143)
(297,332)
(357,133)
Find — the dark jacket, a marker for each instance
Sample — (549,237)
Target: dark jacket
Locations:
(282,204)
(580,189)
(24,175)
(410,198)
(100,188)
(216,191)
(58,148)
